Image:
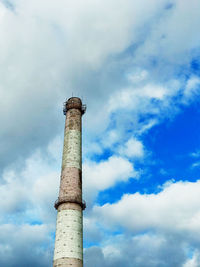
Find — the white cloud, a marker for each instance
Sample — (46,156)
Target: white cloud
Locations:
(92,232)
(195,164)
(173,39)
(175,210)
(195,154)
(73,46)
(29,194)
(28,217)
(140,98)
(192,88)
(156,229)
(91,148)
(25,245)
(194,261)
(146,250)
(133,148)
(105,174)
(110,139)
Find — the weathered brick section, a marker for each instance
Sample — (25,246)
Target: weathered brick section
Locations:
(68,262)
(71,184)
(73,121)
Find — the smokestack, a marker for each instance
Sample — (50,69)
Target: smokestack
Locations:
(69,227)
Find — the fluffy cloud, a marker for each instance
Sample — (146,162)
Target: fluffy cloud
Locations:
(25,245)
(28,194)
(52,55)
(174,209)
(142,250)
(75,47)
(105,174)
(156,230)
(27,221)
(132,148)
(194,261)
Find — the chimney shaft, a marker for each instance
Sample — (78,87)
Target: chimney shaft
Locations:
(69,228)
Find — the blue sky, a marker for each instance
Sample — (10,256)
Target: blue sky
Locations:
(136,64)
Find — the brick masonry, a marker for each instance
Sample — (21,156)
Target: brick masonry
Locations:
(71,184)
(73,121)
(69,233)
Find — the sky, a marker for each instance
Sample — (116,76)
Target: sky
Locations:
(136,65)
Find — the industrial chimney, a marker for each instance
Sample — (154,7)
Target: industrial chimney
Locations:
(69,227)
